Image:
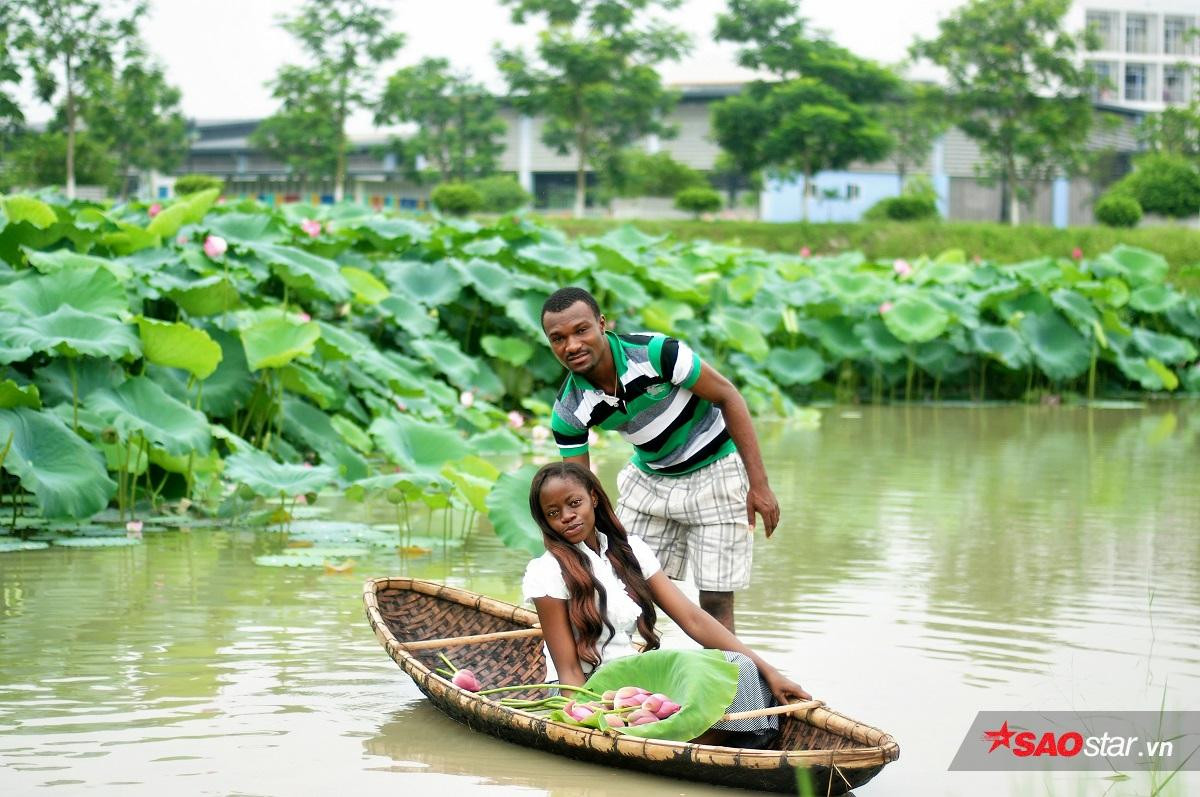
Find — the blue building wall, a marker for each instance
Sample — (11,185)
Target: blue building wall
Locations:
(851,193)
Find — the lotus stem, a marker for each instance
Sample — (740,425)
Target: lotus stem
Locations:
(74,395)
(521,687)
(983,380)
(7,446)
(146,448)
(1092,375)
(450,664)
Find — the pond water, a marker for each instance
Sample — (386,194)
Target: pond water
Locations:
(932,562)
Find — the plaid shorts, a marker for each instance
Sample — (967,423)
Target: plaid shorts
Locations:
(699,517)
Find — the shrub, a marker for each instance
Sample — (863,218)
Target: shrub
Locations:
(1164,184)
(907,207)
(635,173)
(501,193)
(698,200)
(456,199)
(1118,210)
(192,183)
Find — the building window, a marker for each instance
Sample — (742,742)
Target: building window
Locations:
(1137,33)
(1104,25)
(1136,78)
(1174,85)
(1176,40)
(1106,80)
(853,191)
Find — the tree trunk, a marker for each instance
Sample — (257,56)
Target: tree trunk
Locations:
(339,172)
(804,195)
(70,131)
(1014,202)
(581,176)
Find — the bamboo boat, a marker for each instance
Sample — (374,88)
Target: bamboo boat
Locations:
(416,620)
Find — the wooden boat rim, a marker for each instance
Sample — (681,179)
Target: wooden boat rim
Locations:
(881,749)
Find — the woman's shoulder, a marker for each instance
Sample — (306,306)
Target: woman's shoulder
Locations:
(646,559)
(544,579)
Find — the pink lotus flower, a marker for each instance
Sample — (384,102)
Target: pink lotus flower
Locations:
(1077,253)
(301,498)
(902,268)
(181,240)
(215,246)
(640,717)
(576,711)
(220,200)
(885,307)
(312,227)
(668,708)
(539,434)
(154,209)
(465,679)
(304,318)
(515,420)
(805,251)
(976,259)
(466,398)
(134,528)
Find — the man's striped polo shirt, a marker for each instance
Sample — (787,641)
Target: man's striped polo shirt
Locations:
(673,431)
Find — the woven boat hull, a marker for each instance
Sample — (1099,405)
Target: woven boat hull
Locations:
(838,753)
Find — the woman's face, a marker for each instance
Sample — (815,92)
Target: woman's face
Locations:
(570,509)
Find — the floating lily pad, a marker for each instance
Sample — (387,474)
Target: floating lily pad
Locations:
(95,542)
(12,546)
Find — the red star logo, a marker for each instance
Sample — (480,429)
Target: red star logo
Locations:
(1002,737)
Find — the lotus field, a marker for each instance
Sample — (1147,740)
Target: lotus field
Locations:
(222,355)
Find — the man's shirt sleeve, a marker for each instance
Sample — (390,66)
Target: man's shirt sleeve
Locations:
(570,435)
(675,361)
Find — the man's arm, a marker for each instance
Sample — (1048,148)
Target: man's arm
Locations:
(582,460)
(711,386)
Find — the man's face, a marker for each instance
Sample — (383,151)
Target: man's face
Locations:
(576,337)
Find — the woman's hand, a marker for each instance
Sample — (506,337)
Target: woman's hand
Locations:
(785,690)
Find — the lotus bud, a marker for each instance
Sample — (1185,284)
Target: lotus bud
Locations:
(614,721)
(466,398)
(642,691)
(154,210)
(301,499)
(540,433)
(395,496)
(465,679)
(1077,253)
(304,318)
(246,492)
(312,227)
(515,420)
(310,498)
(805,251)
(902,268)
(109,435)
(653,703)
(134,527)
(640,717)
(885,308)
(668,708)
(609,695)
(215,246)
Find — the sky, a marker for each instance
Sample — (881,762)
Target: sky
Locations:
(221,53)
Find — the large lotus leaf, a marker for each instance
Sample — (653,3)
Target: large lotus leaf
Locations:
(1165,348)
(622,290)
(307,423)
(228,387)
(508,511)
(9,352)
(915,319)
(270,479)
(366,286)
(413,318)
(429,284)
(741,335)
(141,406)
(939,358)
(72,332)
(30,210)
(836,335)
(275,342)
(417,444)
(498,441)
(296,378)
(1112,291)
(245,228)
(943,272)
(961,312)
(1147,372)
(186,210)
(64,473)
(701,681)
(879,342)
(1191,378)
(90,290)
(1002,343)
(178,345)
(526,311)
(474,489)
(746,285)
(447,358)
(855,287)
(1077,308)
(411,485)
(305,271)
(58,384)
(1156,298)
(485,247)
(664,315)
(557,258)
(1042,271)
(65,259)
(491,281)
(678,282)
(208,296)
(515,351)
(14,395)
(352,434)
(392,230)
(1185,317)
(629,237)
(1058,348)
(1137,266)
(800,366)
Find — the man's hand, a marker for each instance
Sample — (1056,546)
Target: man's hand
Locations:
(760,499)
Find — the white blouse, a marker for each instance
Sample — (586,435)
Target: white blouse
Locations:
(544,579)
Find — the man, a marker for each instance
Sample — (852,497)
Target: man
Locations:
(696,479)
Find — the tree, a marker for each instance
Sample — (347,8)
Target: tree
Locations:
(820,110)
(1174,131)
(136,114)
(68,40)
(1017,88)
(457,120)
(593,78)
(345,41)
(914,117)
(633,173)
(11,30)
(39,159)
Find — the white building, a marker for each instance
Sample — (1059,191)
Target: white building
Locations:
(1149,50)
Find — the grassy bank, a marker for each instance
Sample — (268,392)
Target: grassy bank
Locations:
(996,242)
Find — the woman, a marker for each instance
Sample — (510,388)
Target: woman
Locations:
(595,584)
